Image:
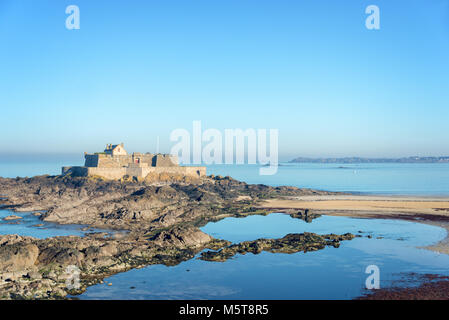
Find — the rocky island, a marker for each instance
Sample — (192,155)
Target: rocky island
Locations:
(159,218)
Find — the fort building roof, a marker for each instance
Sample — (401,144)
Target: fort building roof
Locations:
(115,149)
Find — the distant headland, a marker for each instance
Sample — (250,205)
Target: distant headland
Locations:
(372,160)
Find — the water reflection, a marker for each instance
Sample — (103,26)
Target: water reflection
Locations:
(30,225)
(331,273)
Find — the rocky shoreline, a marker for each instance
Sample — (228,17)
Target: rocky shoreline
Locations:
(162,220)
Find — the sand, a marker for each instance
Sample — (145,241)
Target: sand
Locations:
(428,210)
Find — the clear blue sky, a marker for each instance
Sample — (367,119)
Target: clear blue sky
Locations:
(139,69)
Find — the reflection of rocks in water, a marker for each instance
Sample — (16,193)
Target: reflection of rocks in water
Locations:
(305,214)
(291,243)
(162,218)
(36,268)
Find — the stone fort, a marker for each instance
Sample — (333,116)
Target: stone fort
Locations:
(115,163)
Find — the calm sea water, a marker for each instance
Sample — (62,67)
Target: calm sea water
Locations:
(332,273)
(383,178)
(373,178)
(12,166)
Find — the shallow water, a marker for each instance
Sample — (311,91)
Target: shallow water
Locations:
(28,226)
(331,273)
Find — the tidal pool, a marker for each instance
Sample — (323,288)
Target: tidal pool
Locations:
(32,226)
(331,273)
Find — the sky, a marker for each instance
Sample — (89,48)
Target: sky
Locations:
(137,70)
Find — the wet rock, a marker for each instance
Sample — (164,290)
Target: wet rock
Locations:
(17,256)
(12,217)
(34,275)
(61,256)
(291,243)
(50,275)
(305,214)
(181,237)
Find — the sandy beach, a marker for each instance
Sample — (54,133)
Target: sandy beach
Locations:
(429,210)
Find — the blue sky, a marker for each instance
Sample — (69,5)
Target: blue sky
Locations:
(139,69)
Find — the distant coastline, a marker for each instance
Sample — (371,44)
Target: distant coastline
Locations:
(372,160)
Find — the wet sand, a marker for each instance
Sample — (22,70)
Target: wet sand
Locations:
(429,210)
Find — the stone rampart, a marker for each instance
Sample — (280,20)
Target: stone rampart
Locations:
(133,171)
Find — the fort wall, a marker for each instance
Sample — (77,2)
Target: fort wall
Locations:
(165,160)
(116,161)
(133,171)
(91,160)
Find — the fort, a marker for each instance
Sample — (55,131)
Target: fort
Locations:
(115,163)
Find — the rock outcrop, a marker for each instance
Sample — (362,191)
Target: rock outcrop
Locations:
(12,217)
(304,214)
(291,243)
(161,217)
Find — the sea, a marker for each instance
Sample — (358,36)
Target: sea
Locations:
(395,248)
